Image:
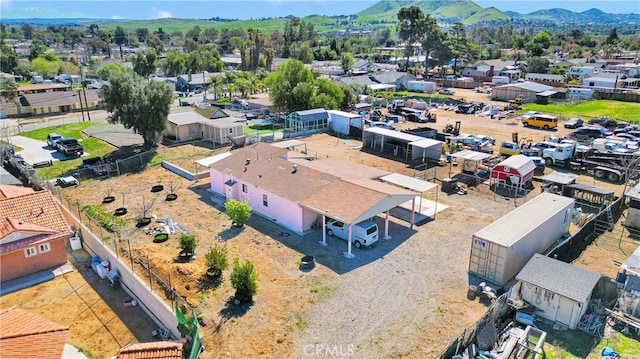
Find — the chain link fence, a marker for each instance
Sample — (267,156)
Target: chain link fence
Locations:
(119,242)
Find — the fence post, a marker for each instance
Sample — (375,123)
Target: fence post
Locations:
(149,273)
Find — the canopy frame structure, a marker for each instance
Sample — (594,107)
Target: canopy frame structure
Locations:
(413,184)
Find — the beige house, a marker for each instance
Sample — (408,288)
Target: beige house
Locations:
(210,123)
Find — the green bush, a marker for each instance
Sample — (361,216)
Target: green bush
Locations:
(243,280)
(188,243)
(216,260)
(239,212)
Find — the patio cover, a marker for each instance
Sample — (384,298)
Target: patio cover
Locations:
(409,182)
(469,155)
(560,178)
(206,162)
(289,143)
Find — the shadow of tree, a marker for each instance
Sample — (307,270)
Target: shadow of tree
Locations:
(206,282)
(232,310)
(229,233)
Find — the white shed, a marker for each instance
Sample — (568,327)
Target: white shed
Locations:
(559,291)
(341,122)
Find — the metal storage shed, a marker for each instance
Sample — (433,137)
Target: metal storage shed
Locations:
(515,170)
(501,249)
(343,122)
(560,291)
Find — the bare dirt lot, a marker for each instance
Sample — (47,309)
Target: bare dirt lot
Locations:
(99,323)
(405,297)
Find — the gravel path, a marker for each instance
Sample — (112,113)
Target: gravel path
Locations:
(397,304)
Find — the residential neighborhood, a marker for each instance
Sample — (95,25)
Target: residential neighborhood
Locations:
(232,188)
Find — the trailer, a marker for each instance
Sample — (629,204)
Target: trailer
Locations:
(344,122)
(421,86)
(500,250)
(612,167)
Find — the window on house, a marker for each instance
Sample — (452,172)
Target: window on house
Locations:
(192,129)
(244,188)
(44,248)
(265,200)
(30,252)
(231,130)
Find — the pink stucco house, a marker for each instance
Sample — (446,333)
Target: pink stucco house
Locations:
(295,193)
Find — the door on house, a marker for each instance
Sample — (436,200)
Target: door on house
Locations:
(565,310)
(229,192)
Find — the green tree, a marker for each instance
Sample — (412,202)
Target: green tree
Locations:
(216,261)
(289,81)
(188,244)
(8,90)
(120,38)
(8,57)
(347,61)
(348,98)
(216,82)
(173,63)
(543,39)
(44,67)
(237,211)
(68,68)
(537,65)
(138,104)
(109,70)
(459,43)
(410,27)
(145,64)
(326,95)
(244,280)
(430,37)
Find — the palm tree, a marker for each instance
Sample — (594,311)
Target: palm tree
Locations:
(216,82)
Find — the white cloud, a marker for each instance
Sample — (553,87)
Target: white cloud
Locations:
(115,17)
(162,14)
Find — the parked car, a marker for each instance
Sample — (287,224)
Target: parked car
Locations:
(484,138)
(66,181)
(466,139)
(416,117)
(362,234)
(604,122)
(69,147)
(447,91)
(574,122)
(379,124)
(52,139)
(589,132)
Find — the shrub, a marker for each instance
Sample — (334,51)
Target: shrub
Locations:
(188,243)
(216,260)
(243,280)
(239,212)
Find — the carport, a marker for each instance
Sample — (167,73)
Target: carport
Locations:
(470,160)
(426,149)
(413,184)
(391,142)
(362,200)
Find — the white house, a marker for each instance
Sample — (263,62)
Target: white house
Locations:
(559,291)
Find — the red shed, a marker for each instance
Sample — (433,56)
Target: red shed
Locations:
(515,170)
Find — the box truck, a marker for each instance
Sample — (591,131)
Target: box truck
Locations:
(500,80)
(421,86)
(500,250)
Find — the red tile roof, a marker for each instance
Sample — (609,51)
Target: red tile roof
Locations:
(8,191)
(38,87)
(152,350)
(26,335)
(33,212)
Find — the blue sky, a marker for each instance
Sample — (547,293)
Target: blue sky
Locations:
(244,9)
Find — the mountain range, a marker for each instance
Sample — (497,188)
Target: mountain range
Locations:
(385,11)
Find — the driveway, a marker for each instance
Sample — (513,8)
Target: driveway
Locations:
(35,151)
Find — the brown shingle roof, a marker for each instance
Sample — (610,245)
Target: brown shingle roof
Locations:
(59,98)
(35,210)
(152,350)
(38,87)
(26,335)
(340,168)
(356,200)
(267,170)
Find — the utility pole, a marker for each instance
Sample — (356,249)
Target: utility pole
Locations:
(81,106)
(86,104)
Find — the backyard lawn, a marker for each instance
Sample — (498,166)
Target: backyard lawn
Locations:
(626,111)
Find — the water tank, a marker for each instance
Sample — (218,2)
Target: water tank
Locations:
(75,243)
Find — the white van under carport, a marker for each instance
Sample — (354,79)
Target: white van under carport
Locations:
(363,234)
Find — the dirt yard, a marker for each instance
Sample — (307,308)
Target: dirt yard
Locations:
(99,322)
(405,297)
